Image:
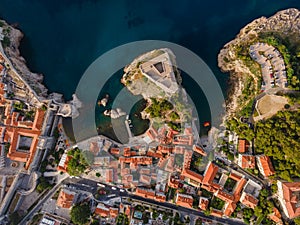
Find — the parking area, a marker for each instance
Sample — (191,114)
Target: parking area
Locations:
(272,65)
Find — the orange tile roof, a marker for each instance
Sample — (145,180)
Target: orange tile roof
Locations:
(173,183)
(246,161)
(160,197)
(229,208)
(192,175)
(115,151)
(199,150)
(188,131)
(137,160)
(154,154)
(203,203)
(248,200)
(151,133)
(216,213)
(102,210)
(239,186)
(234,176)
(184,200)
(187,159)
(179,150)
(288,193)
(183,140)
(165,149)
(64,167)
(243,146)
(14,154)
(210,173)
(16,128)
(146,193)
(275,216)
(109,175)
(224,196)
(38,119)
(65,198)
(113,212)
(265,165)
(145,179)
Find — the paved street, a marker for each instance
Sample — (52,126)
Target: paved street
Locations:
(41,202)
(272,65)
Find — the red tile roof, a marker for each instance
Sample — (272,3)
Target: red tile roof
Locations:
(192,175)
(146,193)
(248,200)
(216,213)
(275,216)
(184,200)
(210,173)
(65,198)
(229,208)
(246,161)
(199,150)
(288,193)
(203,203)
(265,165)
(243,146)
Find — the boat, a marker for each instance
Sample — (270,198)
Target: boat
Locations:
(206,124)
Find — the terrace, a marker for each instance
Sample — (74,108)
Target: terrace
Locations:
(230,185)
(24,143)
(217,178)
(217,203)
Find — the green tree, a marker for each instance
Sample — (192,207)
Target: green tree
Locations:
(80,214)
(297,220)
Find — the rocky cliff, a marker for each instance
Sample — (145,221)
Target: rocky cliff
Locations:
(286,23)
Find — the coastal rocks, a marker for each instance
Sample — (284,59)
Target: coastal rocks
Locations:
(286,23)
(114,113)
(103,101)
(34,80)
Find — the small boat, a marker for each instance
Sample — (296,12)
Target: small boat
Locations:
(206,124)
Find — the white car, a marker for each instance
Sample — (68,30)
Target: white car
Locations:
(101,185)
(114,188)
(122,190)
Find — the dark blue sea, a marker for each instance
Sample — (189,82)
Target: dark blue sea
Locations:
(63,37)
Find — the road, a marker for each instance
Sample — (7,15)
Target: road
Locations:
(41,202)
(91,186)
(118,193)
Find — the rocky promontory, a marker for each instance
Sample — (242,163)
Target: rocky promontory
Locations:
(284,24)
(11,43)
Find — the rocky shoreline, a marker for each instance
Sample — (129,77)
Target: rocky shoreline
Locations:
(34,80)
(286,23)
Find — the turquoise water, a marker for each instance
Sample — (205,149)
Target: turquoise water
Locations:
(63,37)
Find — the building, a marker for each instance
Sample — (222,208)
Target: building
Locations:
(184,200)
(63,163)
(243,146)
(275,216)
(248,200)
(199,150)
(289,198)
(203,203)
(265,165)
(66,198)
(105,211)
(210,173)
(47,220)
(217,213)
(160,71)
(246,161)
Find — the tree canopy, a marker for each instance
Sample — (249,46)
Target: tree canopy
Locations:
(80,214)
(279,137)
